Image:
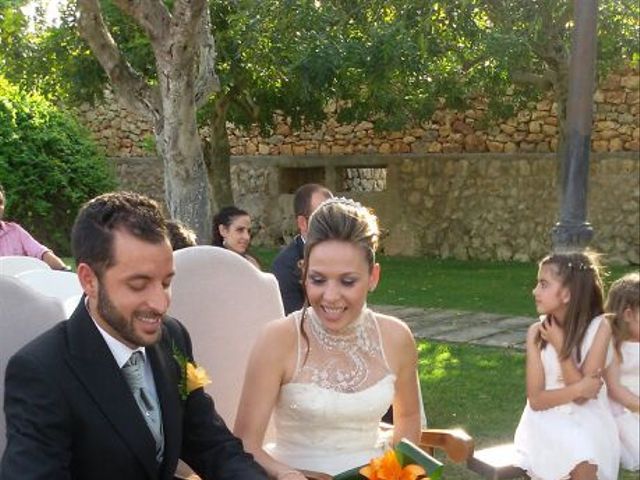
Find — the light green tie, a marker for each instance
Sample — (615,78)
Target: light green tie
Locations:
(133,372)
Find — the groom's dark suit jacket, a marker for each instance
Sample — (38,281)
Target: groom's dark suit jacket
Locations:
(71,415)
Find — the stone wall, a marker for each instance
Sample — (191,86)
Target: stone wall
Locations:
(616,128)
(466,206)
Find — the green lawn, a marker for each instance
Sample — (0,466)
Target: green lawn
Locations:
(482,286)
(478,389)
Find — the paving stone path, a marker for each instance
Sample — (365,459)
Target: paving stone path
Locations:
(489,329)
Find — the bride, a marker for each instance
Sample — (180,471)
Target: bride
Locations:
(331,370)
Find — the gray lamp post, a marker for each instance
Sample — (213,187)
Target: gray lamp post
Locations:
(573,231)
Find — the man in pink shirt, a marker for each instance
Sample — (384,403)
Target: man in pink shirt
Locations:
(15,240)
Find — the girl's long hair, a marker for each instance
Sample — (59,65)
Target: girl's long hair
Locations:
(580,273)
(624,293)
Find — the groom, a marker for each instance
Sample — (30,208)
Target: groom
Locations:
(102,395)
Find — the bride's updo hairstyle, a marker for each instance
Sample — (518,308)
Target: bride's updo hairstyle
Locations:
(342,219)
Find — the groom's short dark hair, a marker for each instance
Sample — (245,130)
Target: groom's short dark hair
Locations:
(93,230)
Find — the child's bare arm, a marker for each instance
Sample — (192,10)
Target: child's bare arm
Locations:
(539,397)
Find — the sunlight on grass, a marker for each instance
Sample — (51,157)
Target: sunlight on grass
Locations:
(479,389)
(435,364)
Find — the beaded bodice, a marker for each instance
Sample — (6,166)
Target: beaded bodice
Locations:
(347,361)
(327,416)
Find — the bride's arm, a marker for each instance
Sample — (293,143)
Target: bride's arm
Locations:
(402,355)
(265,374)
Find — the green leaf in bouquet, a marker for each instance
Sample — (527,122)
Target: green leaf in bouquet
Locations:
(352,474)
(408,453)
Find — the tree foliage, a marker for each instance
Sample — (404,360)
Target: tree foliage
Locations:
(392,60)
(48,165)
(389,61)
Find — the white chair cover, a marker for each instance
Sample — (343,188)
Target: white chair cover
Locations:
(24,314)
(223,300)
(64,286)
(14,265)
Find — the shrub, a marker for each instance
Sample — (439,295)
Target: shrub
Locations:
(48,165)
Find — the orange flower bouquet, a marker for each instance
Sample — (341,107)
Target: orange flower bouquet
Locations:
(405,462)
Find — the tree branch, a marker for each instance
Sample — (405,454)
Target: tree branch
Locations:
(206,80)
(187,14)
(527,78)
(129,86)
(151,15)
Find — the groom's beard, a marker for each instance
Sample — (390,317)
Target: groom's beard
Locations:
(125,327)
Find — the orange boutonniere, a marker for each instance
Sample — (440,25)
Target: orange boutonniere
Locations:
(388,467)
(192,377)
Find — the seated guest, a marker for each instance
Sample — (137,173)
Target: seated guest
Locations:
(180,235)
(286,266)
(330,370)
(15,240)
(108,393)
(232,230)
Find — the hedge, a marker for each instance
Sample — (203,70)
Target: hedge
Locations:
(49,166)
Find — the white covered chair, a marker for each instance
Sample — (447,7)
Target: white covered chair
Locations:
(14,265)
(223,300)
(24,314)
(64,286)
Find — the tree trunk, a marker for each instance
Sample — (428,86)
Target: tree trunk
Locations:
(186,185)
(218,156)
(181,40)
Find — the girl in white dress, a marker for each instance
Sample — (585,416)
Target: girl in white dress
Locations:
(623,375)
(566,429)
(330,371)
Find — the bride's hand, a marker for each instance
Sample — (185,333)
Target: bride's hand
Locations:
(309,475)
(291,475)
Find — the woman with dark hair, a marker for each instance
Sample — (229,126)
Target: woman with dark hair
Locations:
(232,230)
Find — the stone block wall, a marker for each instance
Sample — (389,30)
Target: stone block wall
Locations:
(616,128)
(465,206)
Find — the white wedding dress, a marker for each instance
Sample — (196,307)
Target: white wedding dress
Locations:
(327,416)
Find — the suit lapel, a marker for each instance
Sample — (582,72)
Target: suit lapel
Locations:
(166,379)
(93,363)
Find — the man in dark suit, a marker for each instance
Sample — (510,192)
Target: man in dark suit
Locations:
(287,264)
(71,411)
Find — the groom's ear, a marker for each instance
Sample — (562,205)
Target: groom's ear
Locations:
(88,280)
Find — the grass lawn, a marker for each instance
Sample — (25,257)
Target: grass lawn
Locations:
(478,389)
(481,286)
